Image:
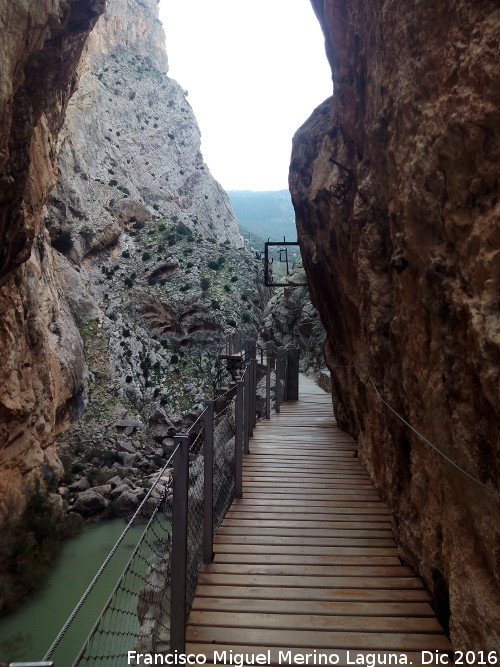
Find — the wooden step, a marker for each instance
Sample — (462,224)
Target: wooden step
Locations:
(404,641)
(316,622)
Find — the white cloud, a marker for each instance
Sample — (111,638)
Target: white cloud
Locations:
(254,71)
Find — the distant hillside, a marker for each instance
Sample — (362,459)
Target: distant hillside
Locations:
(268,214)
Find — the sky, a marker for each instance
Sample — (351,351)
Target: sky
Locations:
(255,70)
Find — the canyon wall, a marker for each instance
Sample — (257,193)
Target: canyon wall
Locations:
(131,140)
(137,212)
(41,355)
(400,245)
(120,258)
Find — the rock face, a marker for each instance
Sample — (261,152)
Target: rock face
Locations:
(104,289)
(41,361)
(130,146)
(403,267)
(137,210)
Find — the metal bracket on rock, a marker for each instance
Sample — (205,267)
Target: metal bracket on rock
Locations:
(344,183)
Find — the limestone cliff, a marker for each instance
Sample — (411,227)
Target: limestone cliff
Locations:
(402,258)
(113,283)
(131,138)
(137,212)
(40,351)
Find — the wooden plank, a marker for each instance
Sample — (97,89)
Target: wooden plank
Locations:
(220,653)
(324,639)
(316,509)
(298,483)
(288,593)
(298,490)
(226,547)
(337,482)
(263,474)
(270,522)
(318,445)
(297,480)
(322,502)
(317,622)
(351,462)
(307,464)
(303,540)
(319,473)
(328,515)
(317,607)
(316,496)
(298,531)
(303,570)
(295,452)
(278,581)
(347,466)
(332,457)
(309,559)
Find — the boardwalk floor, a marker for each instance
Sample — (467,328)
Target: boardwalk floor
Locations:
(306,562)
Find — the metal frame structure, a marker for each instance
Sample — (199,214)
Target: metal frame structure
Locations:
(268,279)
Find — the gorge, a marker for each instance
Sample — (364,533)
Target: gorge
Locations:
(122,269)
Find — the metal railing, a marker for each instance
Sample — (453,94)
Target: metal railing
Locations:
(149,606)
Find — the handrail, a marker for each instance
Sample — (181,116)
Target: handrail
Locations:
(417,433)
(96,578)
(192,496)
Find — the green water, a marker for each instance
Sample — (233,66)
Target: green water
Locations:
(27,633)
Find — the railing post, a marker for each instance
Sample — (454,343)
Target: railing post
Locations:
(179,545)
(246,409)
(292,385)
(238,441)
(269,357)
(252,382)
(285,375)
(280,377)
(208,484)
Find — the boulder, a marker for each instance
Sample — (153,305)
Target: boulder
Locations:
(128,460)
(127,501)
(89,503)
(127,447)
(81,484)
(103,489)
(128,423)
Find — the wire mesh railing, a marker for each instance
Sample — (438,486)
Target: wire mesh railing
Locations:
(119,624)
(148,608)
(224,464)
(196,485)
(136,616)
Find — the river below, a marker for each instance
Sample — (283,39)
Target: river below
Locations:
(27,633)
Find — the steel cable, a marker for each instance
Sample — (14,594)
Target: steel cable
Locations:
(96,578)
(417,433)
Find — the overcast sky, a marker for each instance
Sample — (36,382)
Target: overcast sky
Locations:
(255,70)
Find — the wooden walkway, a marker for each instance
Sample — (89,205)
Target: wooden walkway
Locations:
(306,561)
